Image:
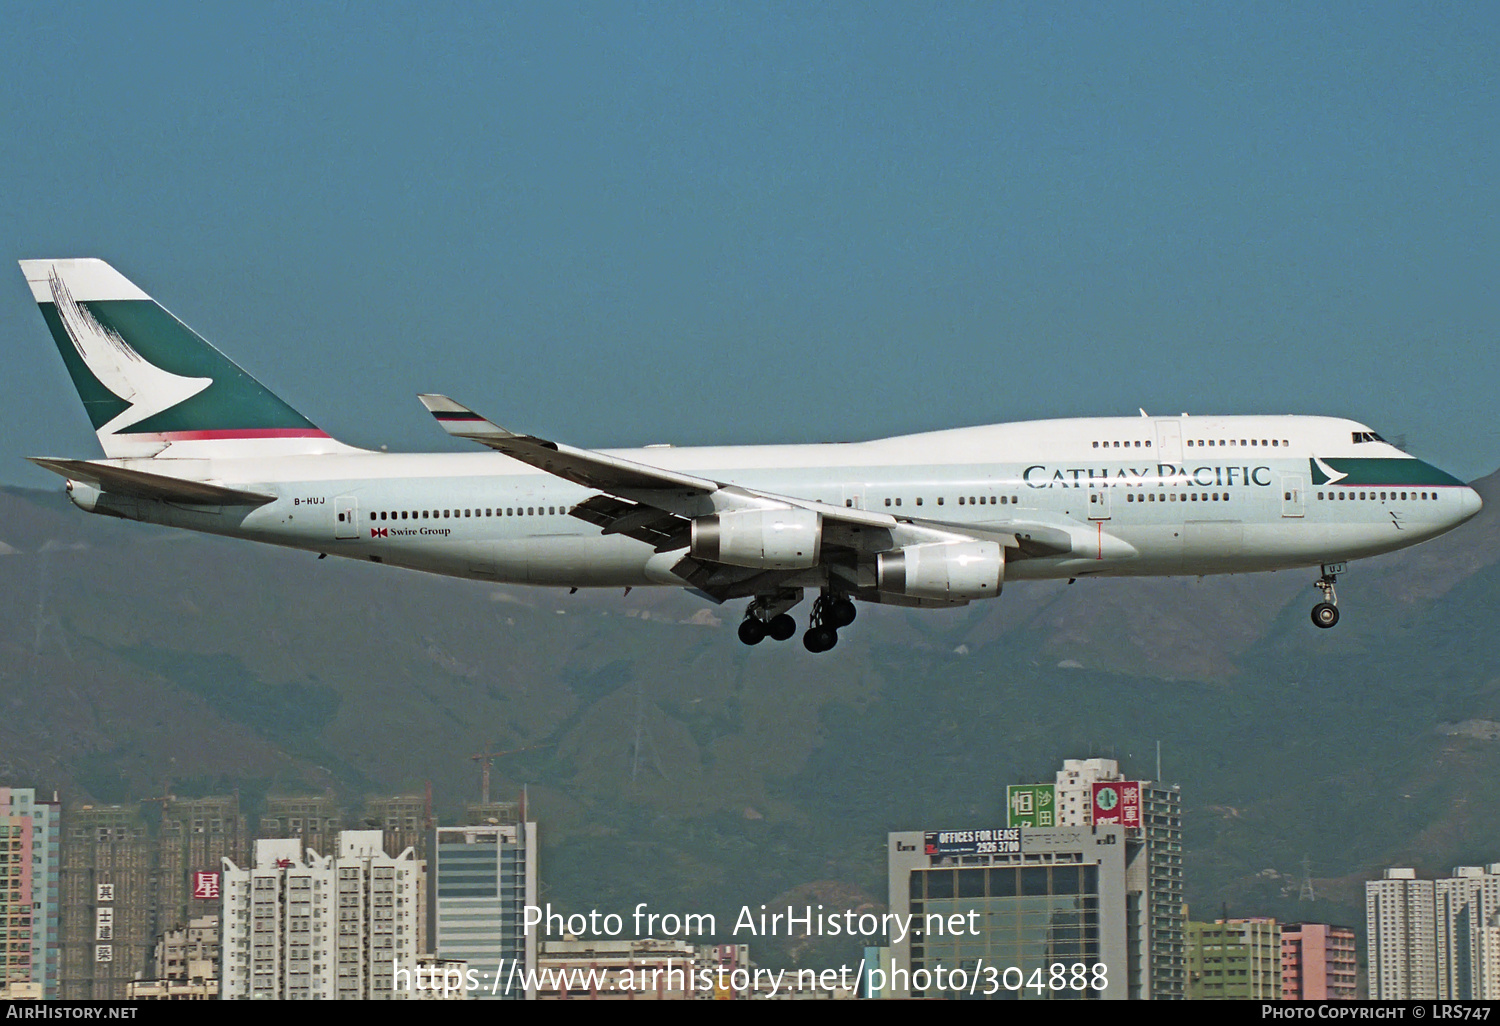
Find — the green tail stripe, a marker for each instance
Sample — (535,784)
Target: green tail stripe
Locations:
(1382,471)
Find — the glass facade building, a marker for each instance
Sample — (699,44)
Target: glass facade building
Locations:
(482,879)
(1035,914)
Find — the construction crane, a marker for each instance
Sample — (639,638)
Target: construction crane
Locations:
(485,758)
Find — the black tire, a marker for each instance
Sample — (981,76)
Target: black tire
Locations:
(842,613)
(781,627)
(752,631)
(1325,615)
(820,639)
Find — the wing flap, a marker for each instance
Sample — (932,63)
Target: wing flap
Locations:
(655,527)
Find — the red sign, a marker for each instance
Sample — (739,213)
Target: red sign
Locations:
(1119,802)
(206,885)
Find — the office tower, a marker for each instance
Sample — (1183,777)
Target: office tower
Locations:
(30,856)
(1049,902)
(482,877)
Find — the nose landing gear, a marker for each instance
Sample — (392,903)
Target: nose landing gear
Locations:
(1326,613)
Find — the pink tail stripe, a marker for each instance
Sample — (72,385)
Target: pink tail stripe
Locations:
(195,436)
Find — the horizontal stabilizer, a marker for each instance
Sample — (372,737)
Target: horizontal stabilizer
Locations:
(143,485)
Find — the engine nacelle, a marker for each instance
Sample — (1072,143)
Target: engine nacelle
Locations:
(83,495)
(772,539)
(943,570)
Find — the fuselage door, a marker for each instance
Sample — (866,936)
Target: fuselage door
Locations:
(1099,494)
(345,513)
(1292,498)
(1169,441)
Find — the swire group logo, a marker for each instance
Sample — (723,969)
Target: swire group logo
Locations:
(380,532)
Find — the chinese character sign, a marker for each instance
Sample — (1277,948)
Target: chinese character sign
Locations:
(1031,805)
(205,885)
(1119,802)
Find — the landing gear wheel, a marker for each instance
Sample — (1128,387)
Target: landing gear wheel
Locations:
(1325,614)
(752,631)
(841,612)
(820,639)
(781,627)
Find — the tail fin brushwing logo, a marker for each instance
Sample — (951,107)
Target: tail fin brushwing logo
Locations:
(119,368)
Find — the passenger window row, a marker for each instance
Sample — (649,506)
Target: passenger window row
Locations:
(1122,445)
(459,514)
(1269,443)
(1397,496)
(1173,497)
(981,500)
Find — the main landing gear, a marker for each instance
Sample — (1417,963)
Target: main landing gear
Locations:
(829,612)
(1326,613)
(767,617)
(754,630)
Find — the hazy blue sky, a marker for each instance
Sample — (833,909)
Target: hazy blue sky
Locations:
(625,224)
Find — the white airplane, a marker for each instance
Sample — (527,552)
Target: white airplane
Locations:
(934,519)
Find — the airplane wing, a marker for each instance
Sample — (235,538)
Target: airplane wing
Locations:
(142,484)
(581,466)
(657,506)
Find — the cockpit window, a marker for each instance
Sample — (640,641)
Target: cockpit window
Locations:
(1367,436)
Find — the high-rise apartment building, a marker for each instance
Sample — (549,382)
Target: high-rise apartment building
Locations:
(1151,814)
(299,925)
(1318,963)
(30,856)
(195,836)
(481,879)
(109,901)
(315,822)
(1434,938)
(1401,937)
(1466,912)
(187,964)
(1234,960)
(403,819)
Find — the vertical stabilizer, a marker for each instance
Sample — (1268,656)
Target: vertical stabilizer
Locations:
(150,384)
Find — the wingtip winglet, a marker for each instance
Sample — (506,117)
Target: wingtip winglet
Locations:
(456,418)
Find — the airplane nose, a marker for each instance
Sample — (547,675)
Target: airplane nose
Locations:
(1470,504)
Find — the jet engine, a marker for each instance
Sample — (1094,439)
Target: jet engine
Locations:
(943,570)
(771,539)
